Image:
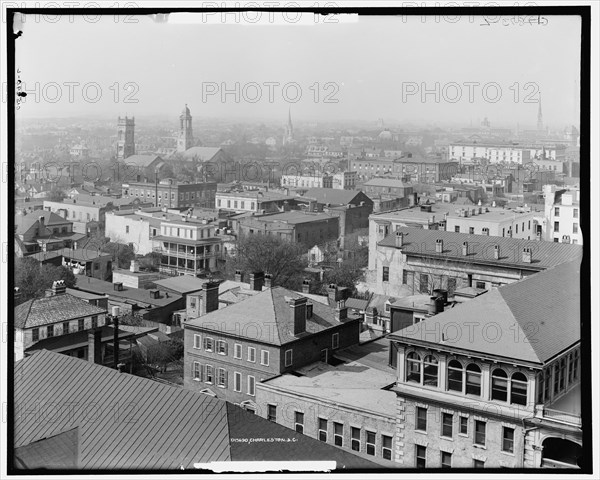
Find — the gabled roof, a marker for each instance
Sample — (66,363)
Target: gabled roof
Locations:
(38,312)
(128,422)
(142,160)
(421,242)
(530,321)
(334,196)
(25,222)
(56,452)
(267,317)
(204,154)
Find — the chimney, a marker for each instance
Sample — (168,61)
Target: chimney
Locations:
(239,276)
(309,310)
(436,306)
(399,239)
(268,280)
(439,246)
(42,220)
(298,306)
(58,288)
(256,281)
(465,249)
(496,252)
(209,298)
(74,245)
(527,255)
(17,294)
(118,286)
(134,267)
(341,310)
(95,345)
(306,286)
(334,294)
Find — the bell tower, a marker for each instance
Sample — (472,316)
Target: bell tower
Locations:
(125,137)
(186,135)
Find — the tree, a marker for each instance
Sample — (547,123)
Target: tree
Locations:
(150,261)
(122,253)
(282,259)
(57,196)
(33,279)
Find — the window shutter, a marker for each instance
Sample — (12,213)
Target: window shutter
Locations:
(226,347)
(205,343)
(226,378)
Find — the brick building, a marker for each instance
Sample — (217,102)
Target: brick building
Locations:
(172,194)
(228,351)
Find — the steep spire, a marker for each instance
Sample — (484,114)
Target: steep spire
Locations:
(540,119)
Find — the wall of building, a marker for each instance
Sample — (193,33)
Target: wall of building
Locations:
(125,229)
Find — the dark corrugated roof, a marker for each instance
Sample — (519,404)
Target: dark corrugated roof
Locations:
(334,196)
(532,320)
(58,452)
(267,317)
(421,242)
(48,310)
(125,422)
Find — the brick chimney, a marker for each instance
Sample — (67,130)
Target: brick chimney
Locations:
(268,280)
(496,252)
(95,345)
(239,276)
(439,246)
(465,248)
(399,239)
(209,298)
(334,294)
(17,295)
(58,288)
(341,310)
(257,280)
(298,306)
(306,286)
(527,255)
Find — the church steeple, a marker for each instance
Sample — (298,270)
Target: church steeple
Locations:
(186,135)
(540,118)
(289,129)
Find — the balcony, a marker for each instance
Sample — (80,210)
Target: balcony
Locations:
(566,409)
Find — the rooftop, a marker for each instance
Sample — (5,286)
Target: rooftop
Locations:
(38,312)
(293,217)
(422,242)
(25,222)
(527,316)
(142,424)
(386,182)
(414,214)
(333,196)
(267,317)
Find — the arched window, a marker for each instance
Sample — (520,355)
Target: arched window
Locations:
(455,376)
(430,371)
(473,380)
(499,385)
(518,389)
(413,367)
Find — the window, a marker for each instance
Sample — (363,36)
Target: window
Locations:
(517,228)
(197,341)
(499,385)
(208,344)
(446,458)
(35,334)
(355,443)
(386,447)
(65,328)
(478,464)
(222,347)
(575,213)
(251,354)
(556,211)
(424,283)
(480,285)
(237,382)
(508,439)
(556,378)
(264,358)
(457,229)
(575,363)
(430,371)
(370,441)
(222,379)
(322,429)
(335,341)
(237,351)
(95,321)
(299,422)
(413,367)
(464,425)
(208,378)
(556,226)
(404,277)
(421,419)
(471,230)
(575,227)
(250,385)
(451,285)
(126,228)
(473,380)
(272,413)
(447,420)
(518,389)
(479,432)
(288,358)
(338,434)
(50,331)
(455,376)
(421,456)
(197,371)
(81,324)
(386,274)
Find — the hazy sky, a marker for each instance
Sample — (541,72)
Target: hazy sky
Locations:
(375,68)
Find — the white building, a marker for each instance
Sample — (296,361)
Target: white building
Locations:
(562,215)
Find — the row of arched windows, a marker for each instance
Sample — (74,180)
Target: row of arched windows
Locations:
(467,380)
